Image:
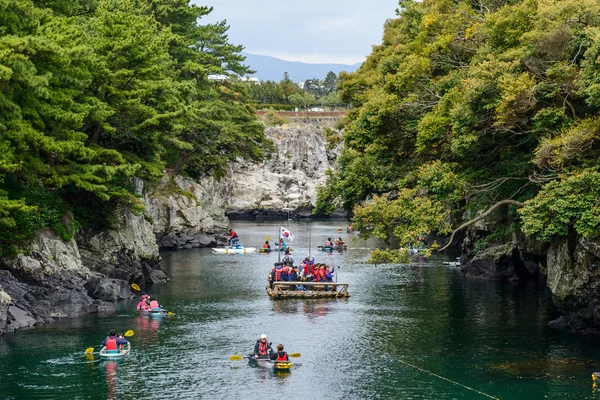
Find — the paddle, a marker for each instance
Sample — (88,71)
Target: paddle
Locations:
(238,357)
(139,289)
(90,350)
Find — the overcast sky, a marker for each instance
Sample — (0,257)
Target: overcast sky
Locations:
(315,31)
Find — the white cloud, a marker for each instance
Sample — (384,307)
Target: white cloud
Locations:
(339,31)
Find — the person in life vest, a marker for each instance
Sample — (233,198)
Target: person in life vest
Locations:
(143,305)
(113,343)
(281,244)
(154,304)
(287,258)
(280,355)
(328,242)
(339,242)
(233,237)
(262,348)
(266,245)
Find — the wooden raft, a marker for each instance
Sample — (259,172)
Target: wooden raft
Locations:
(281,290)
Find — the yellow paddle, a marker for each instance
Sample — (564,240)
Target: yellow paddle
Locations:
(238,357)
(90,350)
(137,288)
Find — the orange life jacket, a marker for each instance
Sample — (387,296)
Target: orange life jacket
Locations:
(111,343)
(262,348)
(282,356)
(154,304)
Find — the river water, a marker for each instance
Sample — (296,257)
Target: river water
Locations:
(406,332)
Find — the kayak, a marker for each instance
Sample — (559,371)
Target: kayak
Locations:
(157,312)
(271,364)
(234,250)
(116,355)
(334,247)
(270,250)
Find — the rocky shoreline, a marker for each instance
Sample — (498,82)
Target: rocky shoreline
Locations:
(58,279)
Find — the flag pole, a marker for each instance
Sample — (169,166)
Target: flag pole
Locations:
(279,244)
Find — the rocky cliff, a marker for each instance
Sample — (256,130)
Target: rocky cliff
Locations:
(286,184)
(569,266)
(57,279)
(186,213)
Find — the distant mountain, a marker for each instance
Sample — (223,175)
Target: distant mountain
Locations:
(272,68)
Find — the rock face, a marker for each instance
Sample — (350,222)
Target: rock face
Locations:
(187,213)
(573,277)
(286,184)
(58,279)
(517,259)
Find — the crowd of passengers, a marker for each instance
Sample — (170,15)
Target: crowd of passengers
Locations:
(307,271)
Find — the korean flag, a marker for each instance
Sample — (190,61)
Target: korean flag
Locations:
(286,235)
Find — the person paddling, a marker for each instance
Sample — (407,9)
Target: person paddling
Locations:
(113,343)
(143,305)
(280,356)
(154,305)
(267,245)
(262,349)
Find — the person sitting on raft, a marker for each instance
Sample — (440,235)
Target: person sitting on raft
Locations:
(328,242)
(276,274)
(143,305)
(287,258)
(280,355)
(113,343)
(233,238)
(262,349)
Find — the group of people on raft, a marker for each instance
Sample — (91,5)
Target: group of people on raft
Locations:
(307,271)
(263,350)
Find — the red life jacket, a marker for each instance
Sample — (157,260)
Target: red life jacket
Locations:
(262,348)
(282,356)
(278,273)
(111,343)
(154,304)
(265,246)
(327,243)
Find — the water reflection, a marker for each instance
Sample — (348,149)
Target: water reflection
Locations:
(111,378)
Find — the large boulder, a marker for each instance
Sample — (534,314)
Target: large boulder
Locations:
(129,253)
(4,305)
(573,276)
(187,213)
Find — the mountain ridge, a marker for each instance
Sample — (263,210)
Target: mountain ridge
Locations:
(273,68)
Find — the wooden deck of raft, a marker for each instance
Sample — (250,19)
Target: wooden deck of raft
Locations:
(281,290)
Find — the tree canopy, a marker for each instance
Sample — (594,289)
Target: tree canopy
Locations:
(93,93)
(468,103)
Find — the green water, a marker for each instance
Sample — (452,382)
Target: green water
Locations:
(407,332)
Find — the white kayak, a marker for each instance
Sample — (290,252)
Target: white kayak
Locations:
(115,355)
(234,250)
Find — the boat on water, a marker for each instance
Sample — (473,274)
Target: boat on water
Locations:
(335,247)
(156,312)
(263,250)
(282,290)
(453,263)
(239,249)
(115,354)
(270,364)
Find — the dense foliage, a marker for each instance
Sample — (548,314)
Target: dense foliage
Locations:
(467,103)
(314,92)
(93,93)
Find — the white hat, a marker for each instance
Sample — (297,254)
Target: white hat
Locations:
(263,336)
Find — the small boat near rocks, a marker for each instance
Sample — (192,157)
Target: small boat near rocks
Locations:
(239,249)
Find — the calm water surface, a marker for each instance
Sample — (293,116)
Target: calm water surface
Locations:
(407,332)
